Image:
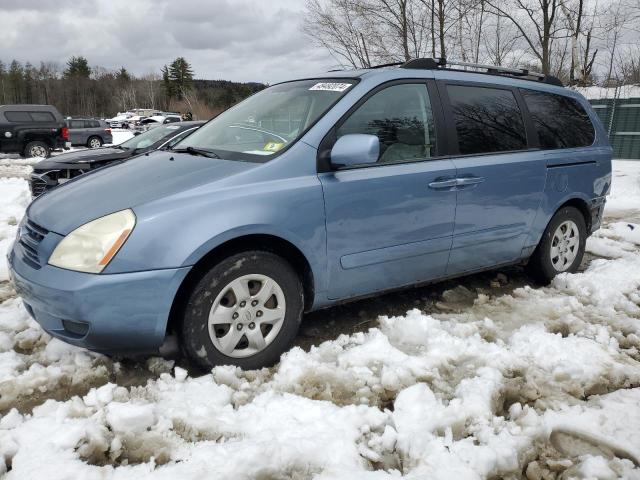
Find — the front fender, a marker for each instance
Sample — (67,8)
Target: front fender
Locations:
(177,231)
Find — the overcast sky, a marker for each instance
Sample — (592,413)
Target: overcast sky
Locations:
(243,40)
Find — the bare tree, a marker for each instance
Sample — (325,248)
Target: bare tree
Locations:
(537,22)
(151,80)
(500,39)
(618,18)
(339,27)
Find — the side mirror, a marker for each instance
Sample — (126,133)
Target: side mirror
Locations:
(355,149)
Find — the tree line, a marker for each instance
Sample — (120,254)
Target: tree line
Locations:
(78,89)
(583,42)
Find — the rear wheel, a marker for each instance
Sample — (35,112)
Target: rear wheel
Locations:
(245,311)
(37,149)
(561,247)
(94,142)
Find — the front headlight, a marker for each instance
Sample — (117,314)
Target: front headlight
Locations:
(91,247)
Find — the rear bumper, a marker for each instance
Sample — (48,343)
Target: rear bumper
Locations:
(117,313)
(61,144)
(597,211)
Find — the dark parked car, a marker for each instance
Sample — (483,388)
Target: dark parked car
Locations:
(50,173)
(90,132)
(32,130)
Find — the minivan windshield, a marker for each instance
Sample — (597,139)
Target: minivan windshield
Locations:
(150,137)
(267,122)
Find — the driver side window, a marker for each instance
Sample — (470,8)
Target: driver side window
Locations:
(402,119)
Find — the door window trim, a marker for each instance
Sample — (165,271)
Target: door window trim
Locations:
(453,146)
(323,157)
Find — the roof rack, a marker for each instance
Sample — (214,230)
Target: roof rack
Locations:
(442,63)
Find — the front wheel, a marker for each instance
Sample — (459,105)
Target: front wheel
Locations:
(245,311)
(561,247)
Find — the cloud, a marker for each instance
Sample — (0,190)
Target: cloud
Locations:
(248,40)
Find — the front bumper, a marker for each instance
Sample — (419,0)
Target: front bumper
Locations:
(108,313)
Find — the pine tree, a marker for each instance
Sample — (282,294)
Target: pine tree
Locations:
(180,76)
(3,82)
(16,81)
(77,67)
(167,85)
(29,75)
(123,75)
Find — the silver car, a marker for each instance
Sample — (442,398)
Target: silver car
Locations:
(89,132)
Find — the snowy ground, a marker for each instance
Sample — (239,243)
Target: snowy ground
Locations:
(484,377)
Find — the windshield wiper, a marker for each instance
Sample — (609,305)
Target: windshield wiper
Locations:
(198,151)
(121,147)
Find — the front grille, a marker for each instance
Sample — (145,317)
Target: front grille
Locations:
(38,186)
(41,182)
(31,235)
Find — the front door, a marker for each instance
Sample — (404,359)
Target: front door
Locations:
(390,224)
(500,181)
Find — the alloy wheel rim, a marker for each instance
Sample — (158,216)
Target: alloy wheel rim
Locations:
(94,143)
(38,151)
(246,316)
(564,246)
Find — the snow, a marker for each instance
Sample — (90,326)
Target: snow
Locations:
(541,380)
(13,201)
(598,93)
(120,135)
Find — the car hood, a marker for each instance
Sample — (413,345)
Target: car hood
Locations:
(83,157)
(116,187)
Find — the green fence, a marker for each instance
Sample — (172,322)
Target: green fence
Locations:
(621,119)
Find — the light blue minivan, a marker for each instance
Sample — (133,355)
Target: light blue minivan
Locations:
(311,193)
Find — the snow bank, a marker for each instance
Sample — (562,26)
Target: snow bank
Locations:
(597,93)
(14,199)
(625,190)
(120,136)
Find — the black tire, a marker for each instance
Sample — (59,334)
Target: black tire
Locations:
(91,140)
(540,265)
(194,332)
(39,146)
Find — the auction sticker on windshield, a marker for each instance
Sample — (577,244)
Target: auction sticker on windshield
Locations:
(273,146)
(331,87)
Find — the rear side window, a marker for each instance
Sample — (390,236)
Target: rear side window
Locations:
(94,124)
(76,124)
(402,119)
(486,119)
(42,117)
(17,116)
(560,121)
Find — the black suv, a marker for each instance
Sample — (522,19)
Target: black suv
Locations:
(62,168)
(32,130)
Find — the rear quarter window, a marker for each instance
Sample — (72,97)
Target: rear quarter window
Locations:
(561,122)
(17,117)
(42,117)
